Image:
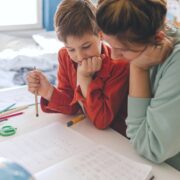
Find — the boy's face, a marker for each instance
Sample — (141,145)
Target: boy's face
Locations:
(82,48)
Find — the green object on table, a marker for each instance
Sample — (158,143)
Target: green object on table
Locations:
(7,131)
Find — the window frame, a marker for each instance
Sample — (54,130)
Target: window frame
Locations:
(38,25)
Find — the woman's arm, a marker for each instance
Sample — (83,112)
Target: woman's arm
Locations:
(139,84)
(153,122)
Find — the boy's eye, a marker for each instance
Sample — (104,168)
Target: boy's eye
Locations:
(86,47)
(71,50)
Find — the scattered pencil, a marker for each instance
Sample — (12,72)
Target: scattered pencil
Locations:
(36,101)
(76,120)
(9,116)
(20,108)
(7,108)
(5,119)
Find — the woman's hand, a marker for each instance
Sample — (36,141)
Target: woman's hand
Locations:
(37,82)
(153,55)
(89,66)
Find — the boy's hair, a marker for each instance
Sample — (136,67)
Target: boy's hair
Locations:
(132,21)
(75,17)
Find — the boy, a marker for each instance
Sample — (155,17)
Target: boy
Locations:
(88,80)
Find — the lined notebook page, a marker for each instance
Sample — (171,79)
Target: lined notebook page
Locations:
(98,164)
(44,147)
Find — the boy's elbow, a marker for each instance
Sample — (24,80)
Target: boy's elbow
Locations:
(101,127)
(101,123)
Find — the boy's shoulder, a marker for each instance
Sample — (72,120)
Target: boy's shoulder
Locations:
(63,51)
(63,54)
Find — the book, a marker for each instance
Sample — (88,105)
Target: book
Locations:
(58,152)
(41,148)
(99,163)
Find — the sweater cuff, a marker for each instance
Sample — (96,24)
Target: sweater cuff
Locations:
(137,107)
(77,96)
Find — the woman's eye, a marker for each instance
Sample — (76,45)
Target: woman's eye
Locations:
(125,50)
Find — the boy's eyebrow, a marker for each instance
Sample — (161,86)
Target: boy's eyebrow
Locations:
(81,45)
(86,43)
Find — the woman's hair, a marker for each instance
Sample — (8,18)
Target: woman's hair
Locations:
(133,21)
(75,17)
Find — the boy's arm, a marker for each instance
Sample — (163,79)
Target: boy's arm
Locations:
(62,95)
(106,95)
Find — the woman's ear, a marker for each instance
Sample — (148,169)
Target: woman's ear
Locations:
(159,36)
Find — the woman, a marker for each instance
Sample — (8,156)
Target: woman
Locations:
(137,32)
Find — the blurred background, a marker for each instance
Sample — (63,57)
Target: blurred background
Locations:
(28,39)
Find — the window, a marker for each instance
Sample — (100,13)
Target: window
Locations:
(20,14)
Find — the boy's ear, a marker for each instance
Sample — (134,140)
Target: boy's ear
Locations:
(100,35)
(159,36)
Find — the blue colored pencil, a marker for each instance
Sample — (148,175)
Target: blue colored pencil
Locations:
(7,108)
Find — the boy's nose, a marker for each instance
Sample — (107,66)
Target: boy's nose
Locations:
(80,56)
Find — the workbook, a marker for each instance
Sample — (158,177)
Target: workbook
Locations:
(57,152)
(99,163)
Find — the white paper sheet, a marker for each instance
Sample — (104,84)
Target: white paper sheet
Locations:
(21,97)
(44,147)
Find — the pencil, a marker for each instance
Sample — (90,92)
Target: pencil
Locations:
(36,101)
(7,108)
(36,104)
(3,120)
(20,108)
(76,120)
(9,116)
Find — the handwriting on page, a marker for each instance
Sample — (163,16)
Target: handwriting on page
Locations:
(42,148)
(100,163)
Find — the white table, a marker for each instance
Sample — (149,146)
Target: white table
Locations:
(28,122)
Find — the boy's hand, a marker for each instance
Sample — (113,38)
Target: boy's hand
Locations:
(153,55)
(89,66)
(36,81)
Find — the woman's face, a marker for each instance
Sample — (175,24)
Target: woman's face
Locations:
(120,51)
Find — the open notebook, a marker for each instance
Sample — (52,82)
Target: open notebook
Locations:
(56,152)
(99,163)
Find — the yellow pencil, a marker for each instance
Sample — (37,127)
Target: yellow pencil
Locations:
(36,101)
(76,120)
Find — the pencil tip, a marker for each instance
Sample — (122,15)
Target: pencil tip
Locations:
(70,123)
(37,115)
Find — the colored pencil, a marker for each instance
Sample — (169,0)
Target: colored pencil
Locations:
(20,108)
(76,120)
(7,108)
(9,116)
(36,101)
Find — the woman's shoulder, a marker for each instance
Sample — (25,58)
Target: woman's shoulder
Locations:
(175,54)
